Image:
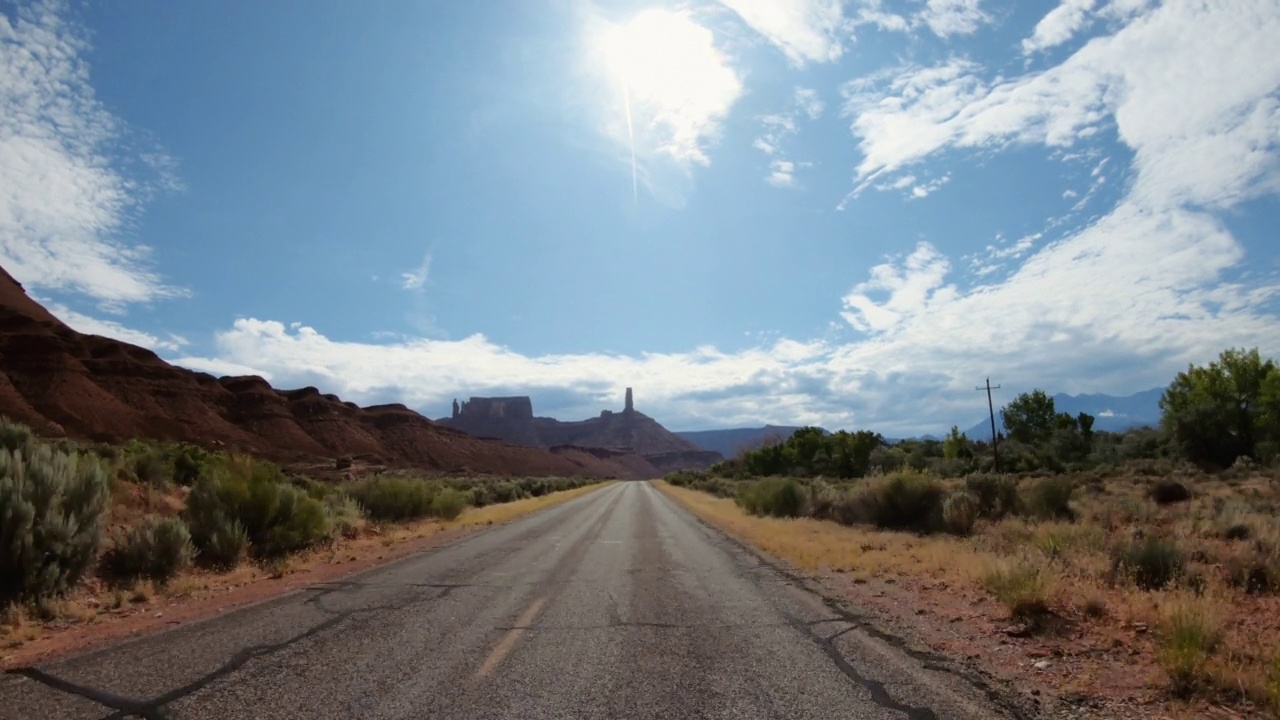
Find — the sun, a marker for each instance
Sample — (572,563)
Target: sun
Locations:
(660,56)
(673,82)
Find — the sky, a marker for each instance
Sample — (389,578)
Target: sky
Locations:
(847,214)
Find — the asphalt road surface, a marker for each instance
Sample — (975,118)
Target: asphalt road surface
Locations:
(619,604)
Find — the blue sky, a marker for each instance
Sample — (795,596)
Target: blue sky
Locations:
(840,213)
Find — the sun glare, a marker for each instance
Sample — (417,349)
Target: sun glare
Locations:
(673,84)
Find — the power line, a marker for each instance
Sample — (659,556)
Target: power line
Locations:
(991,408)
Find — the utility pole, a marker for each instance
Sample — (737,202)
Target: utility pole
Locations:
(991,408)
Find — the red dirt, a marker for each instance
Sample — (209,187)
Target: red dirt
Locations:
(86,387)
(1091,668)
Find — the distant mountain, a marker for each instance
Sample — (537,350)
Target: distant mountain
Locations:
(730,442)
(1111,413)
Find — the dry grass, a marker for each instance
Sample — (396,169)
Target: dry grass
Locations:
(491,514)
(822,545)
(1213,617)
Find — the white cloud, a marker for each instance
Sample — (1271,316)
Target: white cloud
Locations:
(764,146)
(782,173)
(110,328)
(428,373)
(1059,25)
(911,289)
(1189,87)
(63,203)
(807,101)
(952,17)
(926,189)
(668,88)
(872,12)
(914,187)
(804,30)
(223,368)
(416,278)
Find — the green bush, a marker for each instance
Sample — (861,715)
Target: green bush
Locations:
(389,498)
(448,504)
(223,543)
(300,522)
(158,548)
(1152,563)
(51,505)
(960,512)
(997,494)
(902,501)
(15,436)
(777,497)
(504,492)
(1050,498)
(346,514)
(151,468)
(189,462)
(253,496)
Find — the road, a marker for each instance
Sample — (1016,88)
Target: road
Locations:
(618,604)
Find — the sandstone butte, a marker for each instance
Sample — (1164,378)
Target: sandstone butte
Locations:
(629,431)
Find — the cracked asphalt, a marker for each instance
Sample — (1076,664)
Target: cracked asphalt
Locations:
(619,604)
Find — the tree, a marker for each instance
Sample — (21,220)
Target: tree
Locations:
(956,445)
(1220,412)
(1030,417)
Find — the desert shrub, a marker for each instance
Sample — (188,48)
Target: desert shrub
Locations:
(299,522)
(15,436)
(1237,531)
(1189,634)
(158,548)
(777,497)
(1167,492)
(1050,498)
(51,505)
(902,501)
(504,492)
(188,462)
(397,498)
(1019,586)
(150,467)
(253,496)
(997,494)
(1152,563)
(448,504)
(1252,573)
(346,514)
(686,478)
(222,542)
(960,512)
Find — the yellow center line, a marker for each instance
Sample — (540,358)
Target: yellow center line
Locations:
(509,640)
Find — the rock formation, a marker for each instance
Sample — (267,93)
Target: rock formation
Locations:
(511,419)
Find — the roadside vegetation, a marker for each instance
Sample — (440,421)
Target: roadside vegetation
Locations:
(1174,531)
(128,521)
